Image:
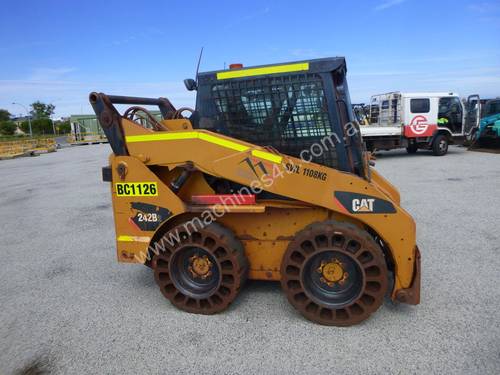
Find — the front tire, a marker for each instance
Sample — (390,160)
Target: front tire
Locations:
(440,145)
(204,271)
(334,274)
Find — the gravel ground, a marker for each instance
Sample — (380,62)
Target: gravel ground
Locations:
(67,305)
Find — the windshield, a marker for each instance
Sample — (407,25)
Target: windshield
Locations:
(286,112)
(492,108)
(288,106)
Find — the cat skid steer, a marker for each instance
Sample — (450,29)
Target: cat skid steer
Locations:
(266,180)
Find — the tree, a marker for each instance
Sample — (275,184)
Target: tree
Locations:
(39,126)
(7,127)
(25,127)
(41,110)
(63,127)
(4,115)
(42,126)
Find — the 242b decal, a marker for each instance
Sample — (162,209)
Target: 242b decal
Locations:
(148,217)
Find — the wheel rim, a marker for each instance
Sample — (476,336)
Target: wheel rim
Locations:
(361,293)
(195,272)
(443,145)
(332,278)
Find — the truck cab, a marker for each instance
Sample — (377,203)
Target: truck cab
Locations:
(424,120)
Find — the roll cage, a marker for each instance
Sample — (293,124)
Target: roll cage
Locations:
(290,107)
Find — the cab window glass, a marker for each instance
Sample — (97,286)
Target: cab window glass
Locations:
(288,113)
(420,105)
(492,108)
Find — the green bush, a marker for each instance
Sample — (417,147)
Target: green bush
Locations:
(64,127)
(7,127)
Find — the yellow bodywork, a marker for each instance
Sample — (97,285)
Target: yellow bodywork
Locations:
(264,228)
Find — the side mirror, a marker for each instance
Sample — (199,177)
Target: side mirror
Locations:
(190,84)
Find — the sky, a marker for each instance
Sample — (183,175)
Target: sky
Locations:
(60,51)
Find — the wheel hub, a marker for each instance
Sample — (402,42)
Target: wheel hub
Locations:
(200,267)
(332,272)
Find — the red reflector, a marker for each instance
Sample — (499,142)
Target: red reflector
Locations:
(235,66)
(227,199)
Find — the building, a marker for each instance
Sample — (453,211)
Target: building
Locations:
(86,128)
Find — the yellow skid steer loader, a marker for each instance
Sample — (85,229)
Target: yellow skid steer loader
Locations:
(267,179)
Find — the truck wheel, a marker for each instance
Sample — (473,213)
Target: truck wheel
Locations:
(440,145)
(412,148)
(334,274)
(201,272)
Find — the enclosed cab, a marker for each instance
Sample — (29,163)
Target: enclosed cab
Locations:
(289,107)
(489,126)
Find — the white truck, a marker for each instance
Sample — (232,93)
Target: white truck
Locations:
(421,120)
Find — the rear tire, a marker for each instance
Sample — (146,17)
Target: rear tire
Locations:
(334,274)
(440,145)
(412,148)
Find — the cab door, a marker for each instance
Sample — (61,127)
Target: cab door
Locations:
(451,114)
(420,115)
(472,115)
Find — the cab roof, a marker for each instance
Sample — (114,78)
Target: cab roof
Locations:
(306,66)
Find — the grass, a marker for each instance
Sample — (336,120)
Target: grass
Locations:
(5,138)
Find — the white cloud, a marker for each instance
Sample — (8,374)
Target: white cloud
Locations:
(248,17)
(483,81)
(388,4)
(484,7)
(71,97)
(306,53)
(48,74)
